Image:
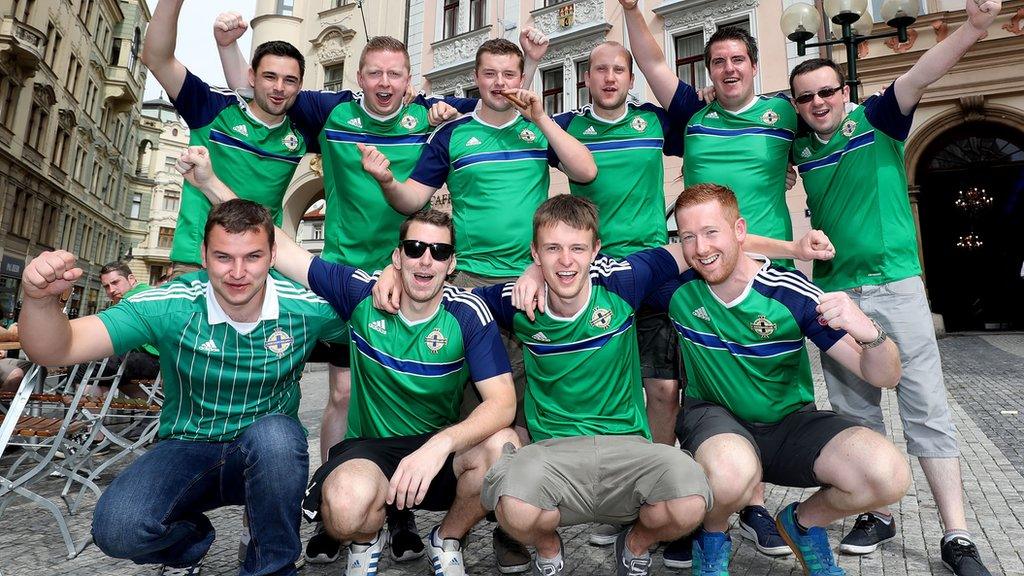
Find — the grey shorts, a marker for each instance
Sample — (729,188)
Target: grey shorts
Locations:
(594,478)
(658,344)
(471,399)
(901,308)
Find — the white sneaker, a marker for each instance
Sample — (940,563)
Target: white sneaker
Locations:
(363,558)
(445,556)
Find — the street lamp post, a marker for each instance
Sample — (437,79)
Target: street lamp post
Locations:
(852,26)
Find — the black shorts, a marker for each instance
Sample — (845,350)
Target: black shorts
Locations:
(658,344)
(334,353)
(386,453)
(787,449)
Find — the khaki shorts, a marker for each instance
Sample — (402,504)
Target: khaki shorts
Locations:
(602,479)
(512,346)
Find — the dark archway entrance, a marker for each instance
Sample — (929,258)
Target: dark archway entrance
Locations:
(971,207)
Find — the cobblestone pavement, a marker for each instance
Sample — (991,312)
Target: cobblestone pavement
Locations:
(985,377)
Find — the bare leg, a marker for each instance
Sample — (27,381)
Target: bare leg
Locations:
(733,471)
(530,525)
(470,467)
(665,521)
(353,501)
(943,475)
(335,420)
(662,409)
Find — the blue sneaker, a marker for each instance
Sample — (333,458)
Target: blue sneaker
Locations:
(811,548)
(711,552)
(757,525)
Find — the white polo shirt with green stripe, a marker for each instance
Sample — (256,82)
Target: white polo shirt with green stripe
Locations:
(219,375)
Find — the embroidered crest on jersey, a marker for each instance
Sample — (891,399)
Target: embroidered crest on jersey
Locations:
(380,326)
(209,346)
(770,117)
(590,131)
(241,129)
(279,342)
(639,124)
(408,121)
(527,135)
(435,341)
(358,123)
(763,327)
(848,127)
(291,142)
(805,153)
(702,314)
(473,141)
(540,337)
(601,318)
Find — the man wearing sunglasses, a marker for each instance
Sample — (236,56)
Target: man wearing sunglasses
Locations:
(405,447)
(853,170)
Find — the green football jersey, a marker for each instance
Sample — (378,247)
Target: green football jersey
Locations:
(629,188)
(255,160)
(748,151)
(361,228)
(141,287)
(748,355)
(497,177)
(583,373)
(856,187)
(408,376)
(218,381)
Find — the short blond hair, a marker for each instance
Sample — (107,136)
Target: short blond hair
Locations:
(384,44)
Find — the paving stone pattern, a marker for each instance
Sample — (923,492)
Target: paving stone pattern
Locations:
(984,373)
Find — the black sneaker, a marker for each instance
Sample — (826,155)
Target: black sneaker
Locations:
(757,525)
(868,532)
(322,548)
(406,543)
(509,554)
(679,553)
(961,556)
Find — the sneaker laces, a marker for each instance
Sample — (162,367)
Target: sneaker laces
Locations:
(823,552)
(638,566)
(959,551)
(761,519)
(548,567)
(864,522)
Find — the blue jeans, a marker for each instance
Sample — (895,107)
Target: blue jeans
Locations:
(152,513)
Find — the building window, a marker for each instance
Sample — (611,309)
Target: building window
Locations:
(48,224)
(473,92)
(80,155)
(340,3)
(21,221)
(477,14)
(133,56)
(8,102)
(318,231)
(60,148)
(582,93)
(165,238)
(553,2)
(169,163)
(450,17)
(551,80)
(334,76)
(743,24)
(171,201)
(54,40)
(285,7)
(690,59)
(26,10)
(136,210)
(38,121)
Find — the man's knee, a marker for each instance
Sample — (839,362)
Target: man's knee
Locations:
(662,392)
(732,474)
(516,515)
(120,528)
(886,473)
(494,445)
(682,515)
(278,440)
(351,493)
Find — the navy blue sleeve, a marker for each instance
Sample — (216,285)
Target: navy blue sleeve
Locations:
(434,163)
(344,287)
(673,131)
(198,103)
(793,290)
(660,298)
(684,105)
(463,105)
(563,121)
(485,352)
(498,298)
(636,276)
(310,112)
(883,112)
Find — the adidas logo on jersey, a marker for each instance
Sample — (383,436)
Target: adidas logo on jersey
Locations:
(590,131)
(702,314)
(380,326)
(712,115)
(540,337)
(241,129)
(209,347)
(356,122)
(472,141)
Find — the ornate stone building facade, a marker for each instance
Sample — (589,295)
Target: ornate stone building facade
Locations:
(70,88)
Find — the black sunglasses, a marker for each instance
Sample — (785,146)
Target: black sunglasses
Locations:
(823,93)
(438,250)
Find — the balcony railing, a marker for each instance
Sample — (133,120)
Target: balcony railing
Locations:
(25,42)
(458,50)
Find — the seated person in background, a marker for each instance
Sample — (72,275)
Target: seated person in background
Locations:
(142,363)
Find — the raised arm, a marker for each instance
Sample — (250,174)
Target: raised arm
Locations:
(292,260)
(406,197)
(648,55)
(941,58)
(535,46)
(47,336)
(158,48)
(227,29)
(575,160)
(865,350)
(815,245)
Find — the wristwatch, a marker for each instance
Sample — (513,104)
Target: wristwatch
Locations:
(877,341)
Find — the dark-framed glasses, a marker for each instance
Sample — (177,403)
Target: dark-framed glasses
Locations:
(438,250)
(823,94)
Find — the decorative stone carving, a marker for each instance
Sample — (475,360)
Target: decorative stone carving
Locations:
(454,82)
(898,47)
(44,95)
(571,50)
(973,107)
(316,165)
(942,29)
(66,119)
(705,15)
(585,12)
(332,44)
(1014,26)
(460,48)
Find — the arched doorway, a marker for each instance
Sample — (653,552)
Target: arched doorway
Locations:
(971,207)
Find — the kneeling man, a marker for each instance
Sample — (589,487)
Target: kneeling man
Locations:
(748,413)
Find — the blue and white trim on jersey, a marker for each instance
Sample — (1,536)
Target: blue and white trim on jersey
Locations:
(500,156)
(855,143)
(701,130)
(345,137)
(714,342)
(593,343)
(402,366)
(218,137)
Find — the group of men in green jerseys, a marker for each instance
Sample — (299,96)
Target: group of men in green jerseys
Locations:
(565,444)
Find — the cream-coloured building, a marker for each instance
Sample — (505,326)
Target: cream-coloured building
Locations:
(70,88)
